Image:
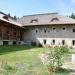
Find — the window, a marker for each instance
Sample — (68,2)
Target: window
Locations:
(54,29)
(73,42)
(63,28)
(63,42)
(45,30)
(5,42)
(44,41)
(53,42)
(73,30)
(36,31)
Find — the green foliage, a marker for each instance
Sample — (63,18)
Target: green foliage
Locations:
(15,18)
(72,16)
(56,56)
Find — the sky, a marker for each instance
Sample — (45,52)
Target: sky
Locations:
(28,7)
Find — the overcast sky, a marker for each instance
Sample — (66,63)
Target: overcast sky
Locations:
(28,7)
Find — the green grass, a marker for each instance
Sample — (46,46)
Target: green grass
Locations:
(11,56)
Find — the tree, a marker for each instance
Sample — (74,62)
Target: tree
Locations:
(15,18)
(9,14)
(72,16)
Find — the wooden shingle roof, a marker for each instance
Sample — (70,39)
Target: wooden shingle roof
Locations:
(45,19)
(4,17)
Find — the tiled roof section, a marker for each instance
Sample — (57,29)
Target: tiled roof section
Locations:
(8,19)
(44,19)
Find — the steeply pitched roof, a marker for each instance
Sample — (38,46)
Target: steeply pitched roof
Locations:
(8,19)
(44,19)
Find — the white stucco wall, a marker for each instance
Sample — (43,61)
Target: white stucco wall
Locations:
(58,34)
(58,41)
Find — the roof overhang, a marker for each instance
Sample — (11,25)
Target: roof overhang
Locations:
(49,24)
(5,21)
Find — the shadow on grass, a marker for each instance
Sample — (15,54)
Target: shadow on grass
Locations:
(11,48)
(62,72)
(65,72)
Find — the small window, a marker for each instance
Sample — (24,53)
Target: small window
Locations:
(45,30)
(54,29)
(44,41)
(53,42)
(63,42)
(73,42)
(36,31)
(73,30)
(63,28)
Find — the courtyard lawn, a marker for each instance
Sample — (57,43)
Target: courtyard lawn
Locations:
(23,60)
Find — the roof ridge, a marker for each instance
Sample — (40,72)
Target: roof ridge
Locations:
(40,14)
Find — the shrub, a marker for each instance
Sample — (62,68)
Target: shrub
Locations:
(55,58)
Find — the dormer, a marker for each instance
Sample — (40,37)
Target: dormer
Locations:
(5,17)
(54,19)
(34,21)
